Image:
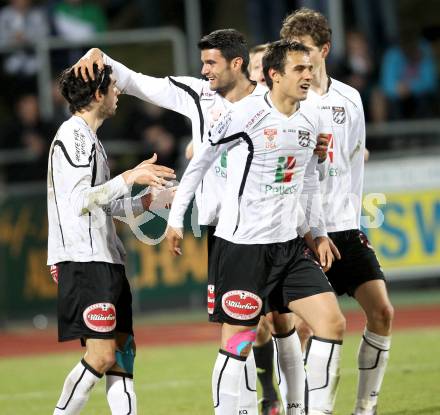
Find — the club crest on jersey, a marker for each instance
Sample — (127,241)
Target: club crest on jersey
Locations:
(241,305)
(270,135)
(100,317)
(303,138)
(338,115)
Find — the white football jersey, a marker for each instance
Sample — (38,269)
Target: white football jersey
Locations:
(270,165)
(82,199)
(341,116)
(193,98)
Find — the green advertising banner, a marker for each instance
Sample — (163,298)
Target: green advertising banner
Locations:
(159,281)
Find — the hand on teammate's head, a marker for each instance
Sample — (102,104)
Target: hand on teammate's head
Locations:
(84,66)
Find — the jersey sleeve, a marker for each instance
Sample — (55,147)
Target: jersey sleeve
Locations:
(73,171)
(174,93)
(223,136)
(311,200)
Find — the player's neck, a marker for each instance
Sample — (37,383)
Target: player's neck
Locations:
(242,88)
(320,82)
(284,104)
(91,119)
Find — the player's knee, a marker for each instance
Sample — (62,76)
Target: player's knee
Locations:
(105,361)
(338,324)
(282,324)
(240,343)
(304,331)
(383,316)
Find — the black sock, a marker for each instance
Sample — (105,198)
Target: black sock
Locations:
(264,361)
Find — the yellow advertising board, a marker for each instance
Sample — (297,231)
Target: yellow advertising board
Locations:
(408,240)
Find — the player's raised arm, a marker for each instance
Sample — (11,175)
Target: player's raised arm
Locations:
(176,93)
(222,136)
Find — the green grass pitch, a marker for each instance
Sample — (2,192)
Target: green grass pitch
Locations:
(176,380)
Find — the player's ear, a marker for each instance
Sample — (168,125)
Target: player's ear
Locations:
(99,96)
(274,75)
(236,63)
(325,50)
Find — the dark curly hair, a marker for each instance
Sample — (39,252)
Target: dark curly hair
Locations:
(79,93)
(230,42)
(275,57)
(305,22)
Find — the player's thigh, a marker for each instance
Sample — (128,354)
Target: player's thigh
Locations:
(101,349)
(321,312)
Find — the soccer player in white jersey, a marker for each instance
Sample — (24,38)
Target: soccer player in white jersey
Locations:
(258,255)
(358,273)
(225,59)
(84,252)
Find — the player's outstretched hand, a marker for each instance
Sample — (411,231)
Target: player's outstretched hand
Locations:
(324,252)
(322,146)
(174,236)
(149,174)
(84,66)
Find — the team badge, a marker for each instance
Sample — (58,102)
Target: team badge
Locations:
(303,138)
(270,135)
(338,115)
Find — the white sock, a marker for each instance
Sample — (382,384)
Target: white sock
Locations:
(322,367)
(372,361)
(76,389)
(289,367)
(226,377)
(248,388)
(120,394)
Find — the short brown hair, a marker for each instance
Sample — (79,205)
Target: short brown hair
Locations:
(305,22)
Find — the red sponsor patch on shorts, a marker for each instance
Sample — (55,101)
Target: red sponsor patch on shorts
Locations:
(211,298)
(100,317)
(241,305)
(54,273)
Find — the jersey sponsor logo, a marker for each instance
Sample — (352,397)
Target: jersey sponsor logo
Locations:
(211,298)
(330,148)
(254,119)
(338,115)
(54,273)
(241,305)
(284,171)
(303,138)
(270,135)
(281,189)
(100,317)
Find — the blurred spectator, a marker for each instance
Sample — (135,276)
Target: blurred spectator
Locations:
(75,20)
(159,131)
(21,24)
(409,78)
(29,133)
(359,71)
